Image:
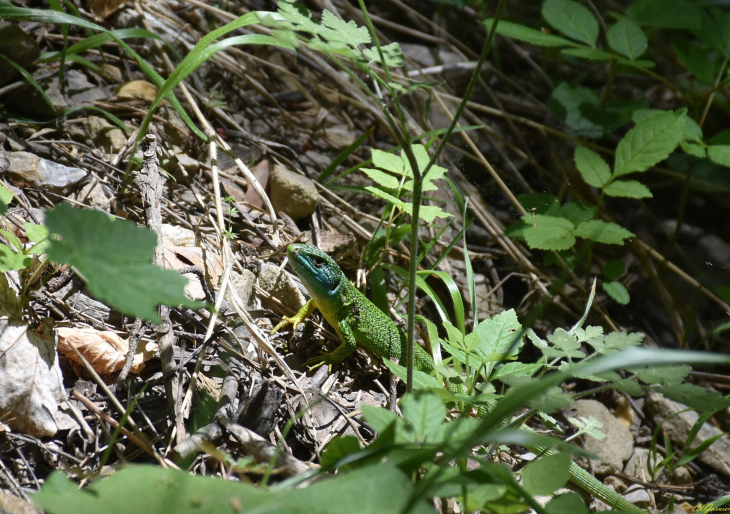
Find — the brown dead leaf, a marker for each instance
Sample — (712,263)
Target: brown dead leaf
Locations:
(105,8)
(105,351)
(137,90)
(178,257)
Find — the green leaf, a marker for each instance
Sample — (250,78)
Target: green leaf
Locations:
(592,167)
(378,418)
(344,32)
(528,35)
(392,53)
(589,426)
(427,212)
(617,291)
(381,178)
(388,161)
(115,260)
(547,474)
(719,154)
(578,212)
(98,40)
(10,260)
(588,53)
(695,59)
(548,232)
(693,149)
(572,19)
(627,189)
(668,14)
(715,30)
(6,196)
(651,141)
(375,489)
(697,397)
(500,337)
(39,235)
(602,232)
(613,269)
(338,448)
(579,109)
(379,193)
(568,502)
(627,38)
(425,412)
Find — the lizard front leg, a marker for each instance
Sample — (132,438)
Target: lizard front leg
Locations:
(347,346)
(303,313)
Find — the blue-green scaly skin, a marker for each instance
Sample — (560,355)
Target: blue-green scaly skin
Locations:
(355,318)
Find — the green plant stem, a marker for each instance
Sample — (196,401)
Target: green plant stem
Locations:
(417,190)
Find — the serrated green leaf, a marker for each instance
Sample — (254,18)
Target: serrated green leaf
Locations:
(378,418)
(344,32)
(548,232)
(388,161)
(697,397)
(664,374)
(6,196)
(572,19)
(528,35)
(617,291)
(13,239)
(589,53)
(500,337)
(693,149)
(651,141)
(602,232)
(425,412)
(427,212)
(379,193)
(547,474)
(589,426)
(592,167)
(577,212)
(669,14)
(566,343)
(392,53)
(627,38)
(613,270)
(381,178)
(10,260)
(627,189)
(115,260)
(719,154)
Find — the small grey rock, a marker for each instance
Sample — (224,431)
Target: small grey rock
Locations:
(618,444)
(280,285)
(42,173)
(292,193)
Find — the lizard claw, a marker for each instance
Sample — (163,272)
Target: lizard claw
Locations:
(316,362)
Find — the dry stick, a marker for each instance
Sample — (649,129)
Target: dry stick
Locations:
(134,337)
(151,183)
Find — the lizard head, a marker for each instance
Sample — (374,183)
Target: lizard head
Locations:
(319,273)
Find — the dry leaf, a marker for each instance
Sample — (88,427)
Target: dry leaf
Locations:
(261,173)
(105,351)
(104,8)
(31,384)
(137,90)
(178,257)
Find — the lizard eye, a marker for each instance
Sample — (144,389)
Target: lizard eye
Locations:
(318,262)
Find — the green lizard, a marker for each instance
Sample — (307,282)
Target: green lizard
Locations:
(357,320)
